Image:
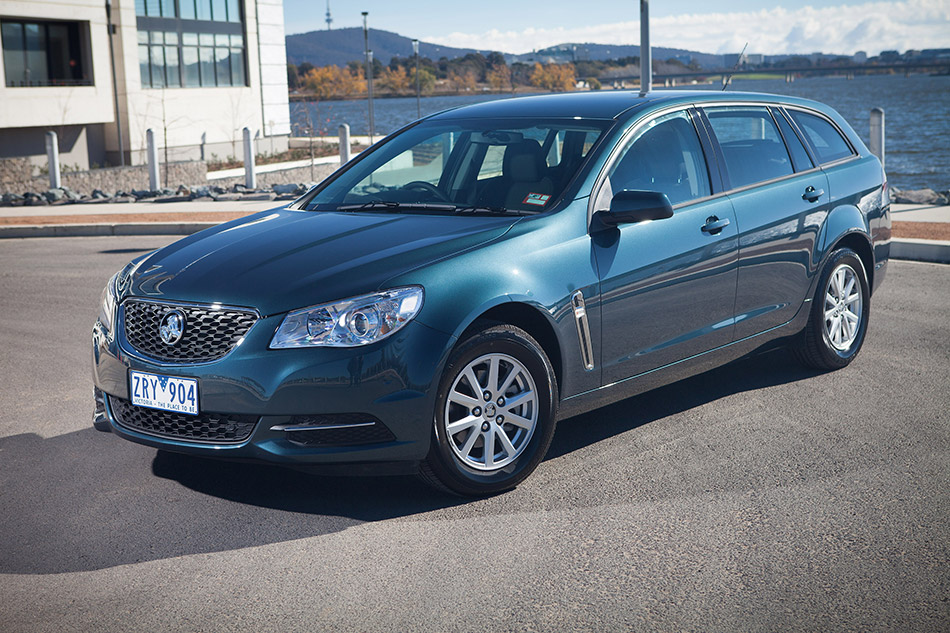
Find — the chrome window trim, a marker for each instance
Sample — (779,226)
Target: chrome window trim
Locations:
(126,347)
(608,164)
(622,144)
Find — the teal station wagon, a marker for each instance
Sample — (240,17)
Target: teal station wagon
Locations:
(441,301)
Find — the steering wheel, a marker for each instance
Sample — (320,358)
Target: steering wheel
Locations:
(427,186)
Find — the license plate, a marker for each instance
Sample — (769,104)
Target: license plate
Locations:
(164,392)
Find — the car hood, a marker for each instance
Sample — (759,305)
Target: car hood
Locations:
(283,259)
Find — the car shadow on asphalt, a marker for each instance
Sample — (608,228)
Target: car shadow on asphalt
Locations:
(87,500)
(769,369)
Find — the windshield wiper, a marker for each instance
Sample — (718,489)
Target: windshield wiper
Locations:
(390,205)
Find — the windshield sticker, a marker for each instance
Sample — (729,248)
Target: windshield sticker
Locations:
(539,199)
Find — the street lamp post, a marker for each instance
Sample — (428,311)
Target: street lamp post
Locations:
(415,51)
(369,75)
(646,62)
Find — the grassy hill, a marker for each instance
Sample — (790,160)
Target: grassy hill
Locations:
(339,46)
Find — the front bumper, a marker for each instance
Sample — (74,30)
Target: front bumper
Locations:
(394,380)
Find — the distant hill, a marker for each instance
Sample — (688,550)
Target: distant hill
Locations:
(339,46)
(601,52)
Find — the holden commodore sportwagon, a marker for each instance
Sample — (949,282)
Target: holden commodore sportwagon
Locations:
(438,303)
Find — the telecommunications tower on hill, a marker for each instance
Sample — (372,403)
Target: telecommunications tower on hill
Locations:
(329,19)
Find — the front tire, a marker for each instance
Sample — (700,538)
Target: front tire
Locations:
(838,321)
(495,414)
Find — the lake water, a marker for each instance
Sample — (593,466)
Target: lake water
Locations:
(917,116)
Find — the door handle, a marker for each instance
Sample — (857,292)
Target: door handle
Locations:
(714,225)
(811,194)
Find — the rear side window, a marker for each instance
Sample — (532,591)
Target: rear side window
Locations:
(799,155)
(825,139)
(751,144)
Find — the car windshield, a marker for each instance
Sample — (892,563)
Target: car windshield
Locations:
(514,166)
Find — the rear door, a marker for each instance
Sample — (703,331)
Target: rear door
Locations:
(780,200)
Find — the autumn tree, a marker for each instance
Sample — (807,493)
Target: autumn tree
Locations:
(331,81)
(394,80)
(553,77)
(499,77)
(463,81)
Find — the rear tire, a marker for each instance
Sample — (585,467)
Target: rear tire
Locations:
(495,414)
(839,315)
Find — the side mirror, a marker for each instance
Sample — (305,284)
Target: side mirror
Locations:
(629,206)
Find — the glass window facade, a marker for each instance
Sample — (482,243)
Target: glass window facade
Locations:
(39,53)
(191,43)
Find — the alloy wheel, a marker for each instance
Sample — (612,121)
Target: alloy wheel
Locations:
(843,307)
(491,412)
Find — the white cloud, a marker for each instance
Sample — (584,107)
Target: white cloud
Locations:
(871,27)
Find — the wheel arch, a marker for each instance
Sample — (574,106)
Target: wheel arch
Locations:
(847,226)
(860,244)
(529,319)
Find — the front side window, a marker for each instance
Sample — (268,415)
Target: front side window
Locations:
(43,54)
(751,144)
(474,165)
(825,140)
(665,156)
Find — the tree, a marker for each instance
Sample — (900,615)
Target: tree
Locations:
(293,79)
(395,80)
(426,80)
(463,81)
(499,77)
(332,81)
(553,77)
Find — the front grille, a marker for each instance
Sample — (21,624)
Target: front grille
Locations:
(221,428)
(208,333)
(337,432)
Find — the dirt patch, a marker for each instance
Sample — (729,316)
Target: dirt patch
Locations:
(922,230)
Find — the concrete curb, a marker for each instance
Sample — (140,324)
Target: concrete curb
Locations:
(94,230)
(934,251)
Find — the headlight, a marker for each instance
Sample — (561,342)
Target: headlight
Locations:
(107,305)
(350,322)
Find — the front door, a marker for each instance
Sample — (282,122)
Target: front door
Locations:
(667,286)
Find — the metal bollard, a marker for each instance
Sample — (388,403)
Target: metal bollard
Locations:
(250,178)
(52,156)
(152,160)
(877,133)
(344,143)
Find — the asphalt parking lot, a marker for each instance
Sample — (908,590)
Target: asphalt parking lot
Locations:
(757,497)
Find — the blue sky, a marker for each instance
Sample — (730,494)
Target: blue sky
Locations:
(789,26)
